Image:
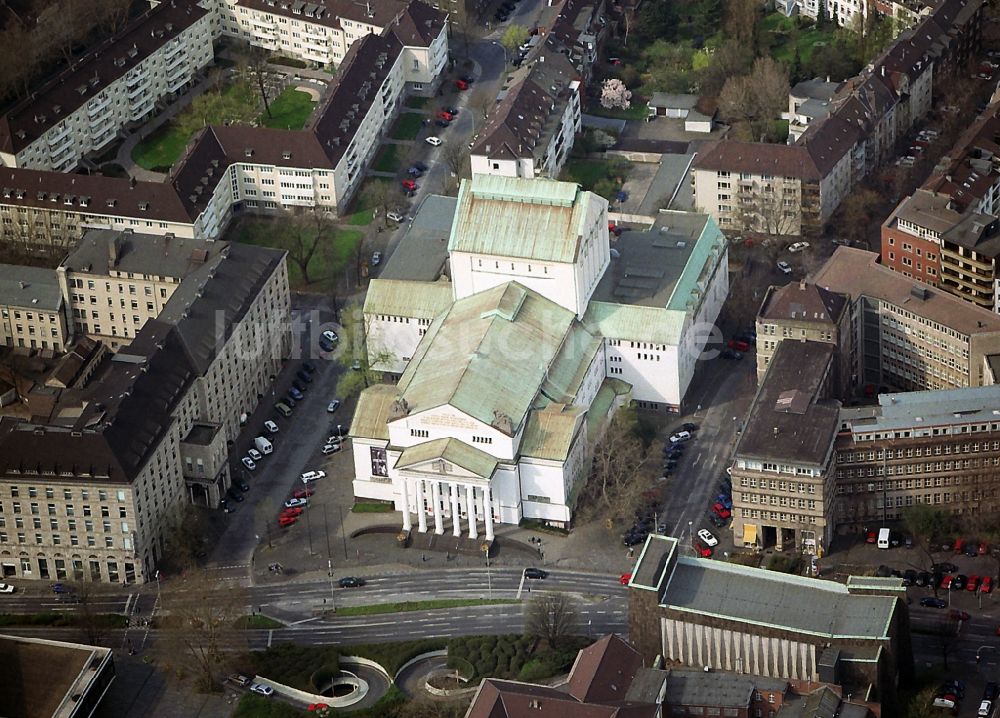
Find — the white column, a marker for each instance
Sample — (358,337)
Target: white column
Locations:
(488,513)
(470,506)
(407,523)
(421,514)
(436,496)
(456,520)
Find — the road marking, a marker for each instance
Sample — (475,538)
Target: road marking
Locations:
(270,635)
(304,620)
(696,459)
(128,601)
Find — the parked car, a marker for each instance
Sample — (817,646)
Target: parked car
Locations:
(270,427)
(798,247)
(285,521)
(634,538)
(726,500)
(721,511)
(262,689)
(624,579)
(784,267)
(295,394)
(293,512)
(294,503)
(945,567)
(331,448)
(299,386)
(302,493)
(909,577)
(716,520)
(445,115)
(331,336)
(435,141)
(985,708)
(376,258)
(991,692)
(973,584)
(255,455)
(738,345)
(935,580)
(312,476)
(707,536)
(409,184)
(986,586)
(946,581)
(689,426)
(701,549)
(932,602)
(234,494)
(972,549)
(959,582)
(394,217)
(680,437)
(333,406)
(923,578)
(244,486)
(536,573)
(249,463)
(240,680)
(731,354)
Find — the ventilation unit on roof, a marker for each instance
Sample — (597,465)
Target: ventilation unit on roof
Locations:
(111,202)
(248,152)
(286,155)
(84,201)
(119,62)
(133,51)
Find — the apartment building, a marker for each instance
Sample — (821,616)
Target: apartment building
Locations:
(946,233)
(47,213)
(940,448)
(32,309)
(783,490)
(795,190)
(89,490)
(907,335)
(808,101)
(116,85)
(114,282)
(532,130)
(577,33)
(803,311)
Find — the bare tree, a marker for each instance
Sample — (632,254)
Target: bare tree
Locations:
(300,233)
(181,539)
(926,523)
(483,103)
(756,99)
(551,617)
(377,195)
(456,156)
(742,19)
(201,627)
(426,708)
(617,480)
(257,70)
(628,19)
(358,358)
(761,209)
(113,14)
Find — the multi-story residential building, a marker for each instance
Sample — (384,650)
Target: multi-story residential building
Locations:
(115,456)
(32,310)
(531,269)
(800,311)
(808,101)
(114,282)
(782,472)
(531,131)
(940,448)
(116,85)
(946,233)
(795,189)
(716,616)
(577,33)
(907,335)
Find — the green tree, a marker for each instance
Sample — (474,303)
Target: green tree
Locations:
(513,37)
(657,19)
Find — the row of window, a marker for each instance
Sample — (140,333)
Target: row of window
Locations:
(847,457)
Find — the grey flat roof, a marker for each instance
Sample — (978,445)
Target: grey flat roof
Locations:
(650,262)
(29,287)
(922,409)
(779,600)
(801,431)
(140,253)
(649,567)
(422,252)
(718,689)
(993,360)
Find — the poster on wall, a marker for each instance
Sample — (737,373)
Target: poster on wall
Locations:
(380,466)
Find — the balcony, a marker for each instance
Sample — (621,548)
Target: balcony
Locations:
(98,106)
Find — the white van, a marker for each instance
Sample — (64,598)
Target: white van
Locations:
(883,538)
(263,445)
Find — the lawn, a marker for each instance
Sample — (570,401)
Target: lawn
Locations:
(417,102)
(605,177)
(637,111)
(387,159)
(783,35)
(289,110)
(372,507)
(327,262)
(362,213)
(164,146)
(407,126)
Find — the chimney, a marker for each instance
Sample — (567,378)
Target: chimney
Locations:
(113,251)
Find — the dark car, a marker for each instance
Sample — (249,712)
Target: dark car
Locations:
(944,567)
(61,588)
(959,582)
(688,426)
(295,393)
(935,580)
(234,494)
(442,123)
(731,354)
(535,573)
(308,366)
(931,602)
(716,520)
(909,577)
(304,376)
(972,549)
(451,110)
(244,486)
(675,452)
(883,571)
(991,692)
(634,538)
(954,687)
(746,337)
(923,578)
(420,166)
(351,582)
(300,386)
(467,78)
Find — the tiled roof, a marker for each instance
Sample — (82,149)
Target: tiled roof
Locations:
(604,670)
(760,158)
(88,76)
(329,12)
(803,302)
(418,25)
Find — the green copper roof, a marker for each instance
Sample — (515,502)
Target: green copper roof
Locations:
(401,298)
(635,323)
(372,412)
(549,432)
(487,355)
(697,271)
(562,384)
(536,219)
(452,450)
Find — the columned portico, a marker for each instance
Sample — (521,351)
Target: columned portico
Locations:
(404,491)
(421,513)
(456,519)
(470,507)
(488,513)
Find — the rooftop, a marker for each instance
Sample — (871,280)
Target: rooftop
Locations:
(815,89)
(422,252)
(29,287)
(536,219)
(102,251)
(856,272)
(921,410)
(401,298)
(759,158)
(789,420)
(740,594)
(801,301)
(717,689)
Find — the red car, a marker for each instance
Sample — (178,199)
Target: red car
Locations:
(292,512)
(624,579)
(946,581)
(871,536)
(703,550)
(959,545)
(983,549)
(409,184)
(973,583)
(461,84)
(738,345)
(721,511)
(445,115)
(302,493)
(957,615)
(284,521)
(614,229)
(987,585)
